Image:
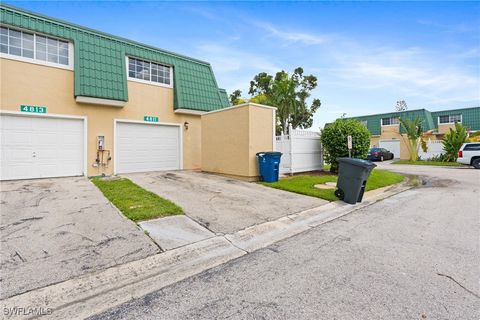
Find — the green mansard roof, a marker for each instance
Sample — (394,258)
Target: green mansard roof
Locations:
(100,69)
(470,118)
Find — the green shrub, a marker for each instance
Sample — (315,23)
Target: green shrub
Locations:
(438,158)
(334,140)
(453,140)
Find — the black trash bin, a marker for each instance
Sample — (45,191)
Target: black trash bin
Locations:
(352,179)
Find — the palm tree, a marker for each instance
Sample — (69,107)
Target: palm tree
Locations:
(284,97)
(414,132)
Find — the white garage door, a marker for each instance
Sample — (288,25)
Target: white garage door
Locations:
(147,147)
(41,147)
(391,145)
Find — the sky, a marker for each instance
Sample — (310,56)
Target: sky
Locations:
(366,55)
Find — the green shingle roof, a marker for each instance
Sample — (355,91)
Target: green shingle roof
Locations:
(224,97)
(470,118)
(100,67)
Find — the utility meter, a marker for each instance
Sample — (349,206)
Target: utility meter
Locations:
(100,142)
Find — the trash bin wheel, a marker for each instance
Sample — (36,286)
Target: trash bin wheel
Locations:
(339,194)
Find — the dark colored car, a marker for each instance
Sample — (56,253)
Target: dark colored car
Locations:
(381,154)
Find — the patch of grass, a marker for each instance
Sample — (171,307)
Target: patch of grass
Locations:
(135,202)
(428,163)
(304,184)
(382,178)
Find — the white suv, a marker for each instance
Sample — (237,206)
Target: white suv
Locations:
(469,154)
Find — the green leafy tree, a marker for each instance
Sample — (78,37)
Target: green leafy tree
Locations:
(260,99)
(236,98)
(289,94)
(453,140)
(334,140)
(414,132)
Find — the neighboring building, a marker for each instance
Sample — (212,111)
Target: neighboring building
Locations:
(75,101)
(387,132)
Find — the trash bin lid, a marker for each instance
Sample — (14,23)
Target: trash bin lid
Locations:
(357,162)
(273,153)
(269,153)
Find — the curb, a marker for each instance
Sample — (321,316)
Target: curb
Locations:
(97,292)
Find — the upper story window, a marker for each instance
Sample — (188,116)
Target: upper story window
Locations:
(149,72)
(450,118)
(364,122)
(390,121)
(36,48)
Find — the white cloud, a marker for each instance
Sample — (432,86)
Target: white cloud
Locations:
(415,73)
(235,67)
(355,76)
(292,36)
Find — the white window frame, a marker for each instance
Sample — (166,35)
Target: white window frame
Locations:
(389,125)
(449,119)
(149,81)
(34,60)
(364,122)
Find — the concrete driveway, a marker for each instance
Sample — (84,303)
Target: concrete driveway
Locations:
(56,229)
(415,255)
(221,204)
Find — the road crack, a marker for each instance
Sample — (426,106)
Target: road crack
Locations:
(462,286)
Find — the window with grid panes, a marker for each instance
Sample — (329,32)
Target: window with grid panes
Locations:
(149,71)
(33,46)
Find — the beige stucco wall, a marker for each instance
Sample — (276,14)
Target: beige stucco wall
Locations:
(232,137)
(444,128)
(30,84)
(261,135)
(393,133)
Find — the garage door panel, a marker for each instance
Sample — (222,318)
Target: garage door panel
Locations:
(20,170)
(16,138)
(392,146)
(39,147)
(147,147)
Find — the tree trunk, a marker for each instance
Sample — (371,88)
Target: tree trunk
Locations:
(414,149)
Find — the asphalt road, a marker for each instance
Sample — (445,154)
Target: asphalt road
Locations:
(415,255)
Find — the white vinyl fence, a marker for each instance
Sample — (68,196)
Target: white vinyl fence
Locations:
(302,151)
(434,148)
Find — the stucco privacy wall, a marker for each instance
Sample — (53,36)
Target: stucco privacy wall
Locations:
(231,138)
(30,84)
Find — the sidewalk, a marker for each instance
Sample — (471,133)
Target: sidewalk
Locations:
(96,292)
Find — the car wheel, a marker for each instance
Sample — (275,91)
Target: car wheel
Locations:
(381,158)
(476,163)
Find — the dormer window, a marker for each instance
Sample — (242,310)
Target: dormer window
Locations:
(149,72)
(35,48)
(452,118)
(390,121)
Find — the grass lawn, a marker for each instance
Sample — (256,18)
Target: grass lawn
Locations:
(428,163)
(135,202)
(304,184)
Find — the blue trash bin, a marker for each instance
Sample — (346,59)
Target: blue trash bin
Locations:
(269,165)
